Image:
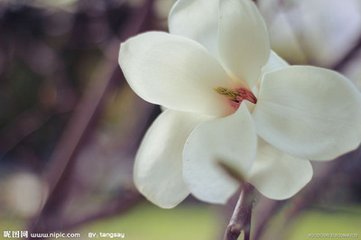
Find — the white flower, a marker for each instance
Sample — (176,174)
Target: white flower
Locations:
(224,103)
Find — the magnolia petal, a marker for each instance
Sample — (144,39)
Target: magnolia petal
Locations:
(309,112)
(185,19)
(243,40)
(158,164)
(231,141)
(274,63)
(175,72)
(278,175)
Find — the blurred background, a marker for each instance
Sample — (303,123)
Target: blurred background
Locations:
(70,125)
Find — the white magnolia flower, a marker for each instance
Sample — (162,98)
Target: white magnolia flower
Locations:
(224,103)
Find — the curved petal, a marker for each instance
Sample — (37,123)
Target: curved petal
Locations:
(197,20)
(175,72)
(243,39)
(158,164)
(274,63)
(232,141)
(309,112)
(278,175)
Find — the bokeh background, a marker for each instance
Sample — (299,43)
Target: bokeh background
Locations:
(70,125)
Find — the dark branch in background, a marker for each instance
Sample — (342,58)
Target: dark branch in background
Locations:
(269,209)
(79,126)
(241,217)
(20,129)
(307,197)
(129,200)
(312,194)
(30,121)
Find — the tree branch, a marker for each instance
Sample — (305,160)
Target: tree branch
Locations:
(241,217)
(112,208)
(79,126)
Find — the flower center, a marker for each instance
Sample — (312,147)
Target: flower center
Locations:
(236,96)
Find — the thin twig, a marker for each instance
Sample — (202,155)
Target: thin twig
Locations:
(241,217)
(20,128)
(115,207)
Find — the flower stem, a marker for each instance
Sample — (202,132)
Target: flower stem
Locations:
(241,217)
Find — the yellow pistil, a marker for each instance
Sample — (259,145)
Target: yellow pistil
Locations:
(231,94)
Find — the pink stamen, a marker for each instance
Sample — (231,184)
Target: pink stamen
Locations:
(243,94)
(236,96)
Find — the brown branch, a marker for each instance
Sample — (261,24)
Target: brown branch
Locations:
(20,128)
(241,217)
(84,117)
